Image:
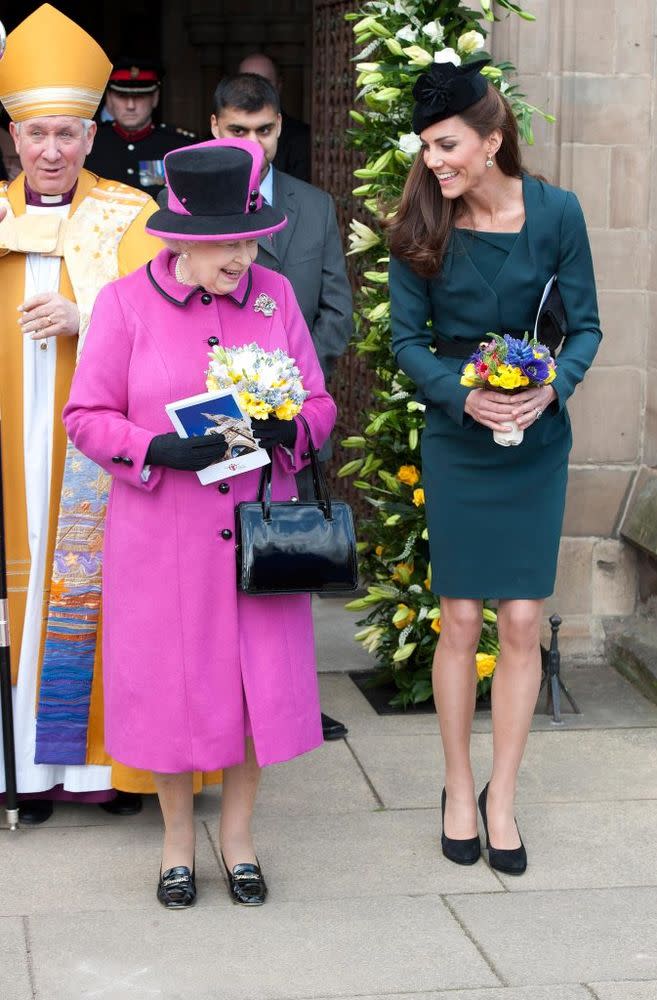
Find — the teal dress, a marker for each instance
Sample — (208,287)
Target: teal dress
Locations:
(495,514)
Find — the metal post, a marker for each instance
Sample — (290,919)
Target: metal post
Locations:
(6,707)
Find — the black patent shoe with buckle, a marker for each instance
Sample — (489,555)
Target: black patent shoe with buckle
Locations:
(246,884)
(461,852)
(177,887)
(509,862)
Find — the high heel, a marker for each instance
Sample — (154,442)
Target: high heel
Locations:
(510,862)
(461,852)
(176,887)
(246,884)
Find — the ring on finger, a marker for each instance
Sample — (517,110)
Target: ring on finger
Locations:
(538,413)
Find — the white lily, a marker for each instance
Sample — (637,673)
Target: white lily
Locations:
(407,34)
(361,237)
(435,31)
(417,56)
(447,55)
(470,41)
(410,143)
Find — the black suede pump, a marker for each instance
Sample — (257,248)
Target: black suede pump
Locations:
(513,862)
(461,852)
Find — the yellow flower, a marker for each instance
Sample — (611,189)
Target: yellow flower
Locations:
(551,377)
(469,376)
(287,410)
(408,474)
(402,573)
(403,616)
(470,41)
(485,664)
(435,625)
(508,377)
(379,550)
(427,582)
(418,497)
(254,406)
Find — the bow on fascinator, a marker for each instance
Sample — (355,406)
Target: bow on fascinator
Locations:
(445,90)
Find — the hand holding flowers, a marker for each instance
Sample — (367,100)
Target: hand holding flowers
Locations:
(511,382)
(268,383)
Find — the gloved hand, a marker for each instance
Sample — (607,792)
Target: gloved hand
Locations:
(193,453)
(273,431)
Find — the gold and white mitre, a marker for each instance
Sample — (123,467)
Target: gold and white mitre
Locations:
(52,67)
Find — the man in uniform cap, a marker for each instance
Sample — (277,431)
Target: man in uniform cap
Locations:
(64,233)
(131,148)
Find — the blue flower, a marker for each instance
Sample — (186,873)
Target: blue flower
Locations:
(519,352)
(537,370)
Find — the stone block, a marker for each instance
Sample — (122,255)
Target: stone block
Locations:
(590,42)
(590,180)
(543,158)
(614,581)
(606,416)
(14,974)
(572,591)
(651,334)
(625,324)
(595,499)
(634,32)
(630,172)
(606,110)
(581,637)
(639,526)
(621,258)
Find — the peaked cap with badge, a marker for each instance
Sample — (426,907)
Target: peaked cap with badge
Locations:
(67,78)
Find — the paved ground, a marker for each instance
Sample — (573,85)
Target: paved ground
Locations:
(362,903)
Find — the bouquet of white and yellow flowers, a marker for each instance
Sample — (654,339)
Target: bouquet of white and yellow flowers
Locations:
(268,383)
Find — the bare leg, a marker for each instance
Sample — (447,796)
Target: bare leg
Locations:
(237,803)
(454,687)
(515,689)
(175,792)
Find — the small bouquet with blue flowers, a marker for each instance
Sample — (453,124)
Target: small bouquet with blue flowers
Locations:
(508,364)
(268,383)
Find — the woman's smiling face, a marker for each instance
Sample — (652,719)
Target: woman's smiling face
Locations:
(219,266)
(457,155)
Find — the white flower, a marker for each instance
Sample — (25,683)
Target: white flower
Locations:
(401,7)
(470,41)
(447,55)
(361,237)
(435,31)
(417,56)
(407,34)
(410,143)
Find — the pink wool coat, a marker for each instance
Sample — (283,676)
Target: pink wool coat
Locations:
(182,648)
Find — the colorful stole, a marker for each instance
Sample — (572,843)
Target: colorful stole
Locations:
(89,243)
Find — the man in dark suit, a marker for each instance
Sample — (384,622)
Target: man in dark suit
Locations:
(293,152)
(308,251)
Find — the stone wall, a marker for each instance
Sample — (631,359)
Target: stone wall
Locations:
(592,64)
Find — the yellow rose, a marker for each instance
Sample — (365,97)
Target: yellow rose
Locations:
(435,625)
(408,474)
(485,664)
(418,497)
(287,410)
(403,616)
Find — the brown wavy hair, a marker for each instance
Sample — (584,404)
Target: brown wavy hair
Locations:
(420,230)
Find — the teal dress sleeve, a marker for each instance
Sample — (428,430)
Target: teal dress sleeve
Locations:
(577,286)
(412,338)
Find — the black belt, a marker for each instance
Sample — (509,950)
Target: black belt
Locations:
(455,348)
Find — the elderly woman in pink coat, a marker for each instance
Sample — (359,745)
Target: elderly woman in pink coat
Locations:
(197,675)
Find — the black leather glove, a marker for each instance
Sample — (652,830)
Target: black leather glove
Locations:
(193,453)
(274,431)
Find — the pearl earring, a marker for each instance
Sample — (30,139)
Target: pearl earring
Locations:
(490,162)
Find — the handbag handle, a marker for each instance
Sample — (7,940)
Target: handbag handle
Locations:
(320,485)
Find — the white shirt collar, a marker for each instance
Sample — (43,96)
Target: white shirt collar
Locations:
(267,187)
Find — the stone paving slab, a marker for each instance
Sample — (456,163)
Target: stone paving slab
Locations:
(588,844)
(336,648)
(14,974)
(567,992)
(625,991)
(406,768)
(86,868)
(281,952)
(375,854)
(533,937)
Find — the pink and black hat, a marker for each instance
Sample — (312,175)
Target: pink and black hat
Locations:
(214,194)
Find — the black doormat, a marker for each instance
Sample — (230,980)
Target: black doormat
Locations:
(379,696)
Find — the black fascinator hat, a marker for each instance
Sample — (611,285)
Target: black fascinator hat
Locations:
(446,90)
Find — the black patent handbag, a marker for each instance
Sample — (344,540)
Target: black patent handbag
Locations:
(293,547)
(552,322)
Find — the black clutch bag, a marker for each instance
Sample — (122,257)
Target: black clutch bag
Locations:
(290,547)
(551,322)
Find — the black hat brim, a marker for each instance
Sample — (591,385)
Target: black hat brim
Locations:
(174,225)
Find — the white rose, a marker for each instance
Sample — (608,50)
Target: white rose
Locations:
(447,55)
(407,34)
(435,31)
(410,143)
(470,41)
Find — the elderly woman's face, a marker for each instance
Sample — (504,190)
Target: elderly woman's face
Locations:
(220,267)
(457,155)
(52,151)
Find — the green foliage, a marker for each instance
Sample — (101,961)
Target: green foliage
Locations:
(397,39)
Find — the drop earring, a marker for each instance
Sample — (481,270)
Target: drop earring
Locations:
(490,162)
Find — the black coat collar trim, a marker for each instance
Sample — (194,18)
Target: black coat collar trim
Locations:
(240,303)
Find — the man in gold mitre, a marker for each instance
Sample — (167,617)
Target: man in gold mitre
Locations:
(64,233)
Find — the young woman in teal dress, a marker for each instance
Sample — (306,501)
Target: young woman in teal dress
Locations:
(474,242)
